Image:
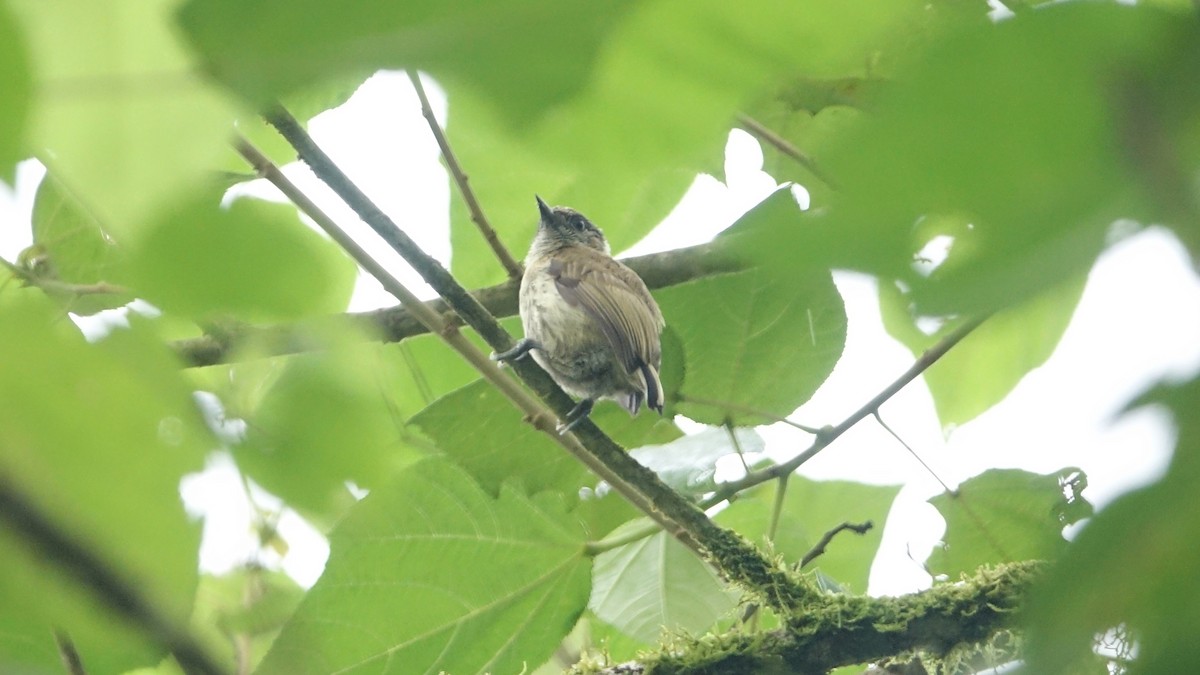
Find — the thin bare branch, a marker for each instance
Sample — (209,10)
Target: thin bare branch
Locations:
(912,452)
(68,654)
(763,133)
(511,266)
(828,435)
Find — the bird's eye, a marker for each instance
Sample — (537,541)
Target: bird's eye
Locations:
(578,223)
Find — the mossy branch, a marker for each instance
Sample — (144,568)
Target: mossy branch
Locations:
(847,630)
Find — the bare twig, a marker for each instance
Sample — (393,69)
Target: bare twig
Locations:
(912,452)
(762,132)
(43,535)
(511,266)
(731,554)
(57,286)
(823,542)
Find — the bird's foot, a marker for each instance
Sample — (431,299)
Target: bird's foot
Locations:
(577,414)
(519,351)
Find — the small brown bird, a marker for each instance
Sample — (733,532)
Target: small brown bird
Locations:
(589,320)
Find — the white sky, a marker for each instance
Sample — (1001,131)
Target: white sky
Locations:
(1137,322)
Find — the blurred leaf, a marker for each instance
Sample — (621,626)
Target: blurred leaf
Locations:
(655,584)
(281,269)
(430,573)
(121,118)
(312,41)
(75,248)
(656,110)
(17,85)
(97,437)
(753,342)
(327,418)
(688,464)
(1007,515)
(1133,566)
(485,434)
(989,363)
(1039,183)
(810,509)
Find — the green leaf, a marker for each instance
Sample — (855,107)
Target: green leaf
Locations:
(751,341)
(75,247)
(810,133)
(1007,515)
(1038,216)
(989,363)
(327,418)
(311,41)
(430,573)
(810,509)
(17,85)
(121,116)
(278,269)
(97,437)
(1133,566)
(484,433)
(655,584)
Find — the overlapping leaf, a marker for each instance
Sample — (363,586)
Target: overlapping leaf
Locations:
(430,573)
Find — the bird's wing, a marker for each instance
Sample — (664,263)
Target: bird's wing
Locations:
(618,301)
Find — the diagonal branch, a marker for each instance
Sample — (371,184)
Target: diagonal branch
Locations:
(22,516)
(731,554)
(512,267)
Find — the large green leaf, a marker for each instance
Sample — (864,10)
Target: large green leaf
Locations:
(121,116)
(969,132)
(534,52)
(810,509)
(752,341)
(1007,515)
(656,584)
(484,433)
(253,261)
(1132,567)
(17,85)
(982,369)
(96,437)
(430,573)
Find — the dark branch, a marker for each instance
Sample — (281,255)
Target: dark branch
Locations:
(394,324)
(44,536)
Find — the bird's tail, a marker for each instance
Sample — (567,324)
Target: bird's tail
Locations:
(654,392)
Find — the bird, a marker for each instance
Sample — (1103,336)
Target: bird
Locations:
(589,320)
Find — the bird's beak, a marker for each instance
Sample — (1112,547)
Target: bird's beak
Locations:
(547,214)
